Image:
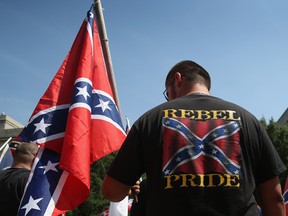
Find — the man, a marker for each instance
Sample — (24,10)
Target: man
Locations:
(202,155)
(14,179)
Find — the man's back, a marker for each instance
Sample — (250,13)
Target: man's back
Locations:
(198,158)
(12,184)
(202,155)
(14,179)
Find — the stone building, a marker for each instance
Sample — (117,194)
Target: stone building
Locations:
(284,118)
(9,127)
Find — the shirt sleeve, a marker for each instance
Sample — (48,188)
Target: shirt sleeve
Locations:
(127,166)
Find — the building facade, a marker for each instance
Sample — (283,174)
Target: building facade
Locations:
(284,118)
(9,127)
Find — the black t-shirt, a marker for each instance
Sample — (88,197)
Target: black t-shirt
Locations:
(12,185)
(202,156)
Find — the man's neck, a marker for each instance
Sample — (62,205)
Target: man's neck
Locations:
(21,165)
(198,93)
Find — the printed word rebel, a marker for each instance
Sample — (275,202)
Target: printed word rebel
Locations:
(201,115)
(202,180)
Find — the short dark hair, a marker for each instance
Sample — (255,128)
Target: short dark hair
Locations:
(25,152)
(193,71)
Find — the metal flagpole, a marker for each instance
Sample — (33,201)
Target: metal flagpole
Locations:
(3,146)
(106,51)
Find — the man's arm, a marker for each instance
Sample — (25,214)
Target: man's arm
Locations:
(271,198)
(114,190)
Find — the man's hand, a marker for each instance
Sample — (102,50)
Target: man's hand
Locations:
(135,189)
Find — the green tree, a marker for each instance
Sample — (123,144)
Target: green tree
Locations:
(279,136)
(96,203)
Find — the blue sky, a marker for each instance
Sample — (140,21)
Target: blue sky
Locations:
(242,44)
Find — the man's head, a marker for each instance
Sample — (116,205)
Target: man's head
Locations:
(24,155)
(186,77)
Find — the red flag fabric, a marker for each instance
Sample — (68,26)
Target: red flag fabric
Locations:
(77,117)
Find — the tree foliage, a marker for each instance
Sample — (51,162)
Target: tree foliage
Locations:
(96,203)
(279,136)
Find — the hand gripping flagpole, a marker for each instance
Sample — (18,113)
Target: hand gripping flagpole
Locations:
(106,51)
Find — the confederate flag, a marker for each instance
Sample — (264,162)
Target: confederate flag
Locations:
(76,122)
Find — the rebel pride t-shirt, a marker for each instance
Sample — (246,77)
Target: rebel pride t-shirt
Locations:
(202,156)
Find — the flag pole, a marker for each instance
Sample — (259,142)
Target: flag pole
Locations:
(3,146)
(106,51)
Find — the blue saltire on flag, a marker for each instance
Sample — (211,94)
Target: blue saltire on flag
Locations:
(194,146)
(46,172)
(78,121)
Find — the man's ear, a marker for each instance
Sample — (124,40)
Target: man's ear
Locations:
(178,78)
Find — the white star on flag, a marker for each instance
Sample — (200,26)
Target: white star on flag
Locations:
(32,204)
(166,172)
(236,172)
(178,159)
(83,91)
(49,166)
(41,126)
(91,15)
(103,105)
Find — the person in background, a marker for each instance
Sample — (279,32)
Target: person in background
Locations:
(13,180)
(202,155)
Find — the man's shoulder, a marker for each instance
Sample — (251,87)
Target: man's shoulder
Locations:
(14,171)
